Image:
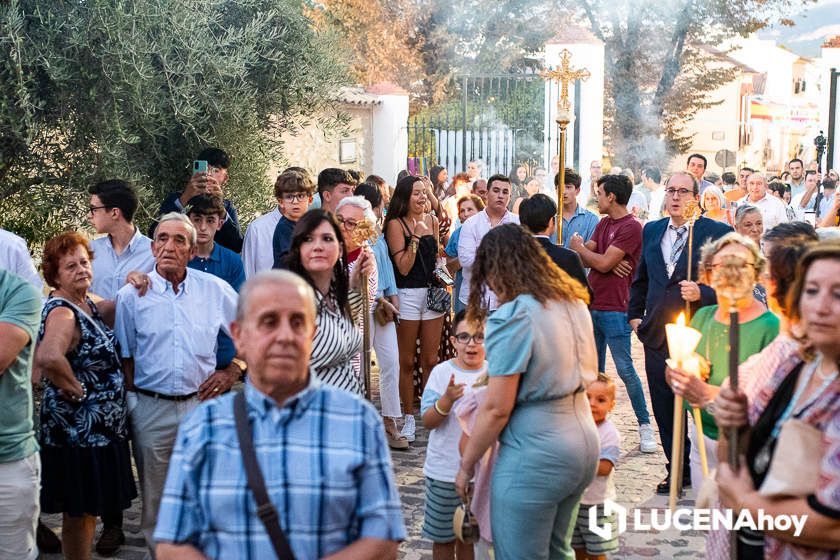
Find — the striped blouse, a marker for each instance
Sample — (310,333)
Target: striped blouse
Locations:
(337,345)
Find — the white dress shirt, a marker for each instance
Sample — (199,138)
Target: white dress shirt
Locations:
(110,269)
(667,244)
(772,210)
(473,230)
(172,337)
(257,249)
(15,257)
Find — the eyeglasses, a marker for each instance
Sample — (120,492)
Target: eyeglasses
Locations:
(294,197)
(715,266)
(680,192)
(349,225)
(465,338)
(93,209)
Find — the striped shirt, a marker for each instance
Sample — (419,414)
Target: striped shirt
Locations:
(326,466)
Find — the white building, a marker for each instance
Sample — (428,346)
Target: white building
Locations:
(769,114)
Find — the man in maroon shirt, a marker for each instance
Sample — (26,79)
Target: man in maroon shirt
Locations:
(612,255)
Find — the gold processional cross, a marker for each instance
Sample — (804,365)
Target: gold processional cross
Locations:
(564,75)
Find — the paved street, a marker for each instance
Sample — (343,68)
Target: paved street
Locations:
(636,477)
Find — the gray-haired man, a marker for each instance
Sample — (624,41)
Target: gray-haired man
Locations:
(168,344)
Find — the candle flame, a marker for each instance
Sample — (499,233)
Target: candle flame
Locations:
(681,319)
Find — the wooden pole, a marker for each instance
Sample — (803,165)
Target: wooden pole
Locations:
(733,436)
(366,338)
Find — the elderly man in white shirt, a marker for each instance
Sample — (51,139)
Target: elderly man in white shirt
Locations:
(476,227)
(772,209)
(123,248)
(15,257)
(167,339)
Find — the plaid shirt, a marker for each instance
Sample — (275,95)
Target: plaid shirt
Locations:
(326,466)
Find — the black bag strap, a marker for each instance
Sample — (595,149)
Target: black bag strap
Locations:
(265,509)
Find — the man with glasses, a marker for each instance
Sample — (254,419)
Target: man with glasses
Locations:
(212,182)
(293,191)
(123,248)
(659,292)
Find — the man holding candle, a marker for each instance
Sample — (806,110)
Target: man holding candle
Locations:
(661,289)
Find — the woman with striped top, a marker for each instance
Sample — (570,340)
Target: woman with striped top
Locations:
(319,254)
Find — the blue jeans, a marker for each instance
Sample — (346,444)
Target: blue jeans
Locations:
(613,330)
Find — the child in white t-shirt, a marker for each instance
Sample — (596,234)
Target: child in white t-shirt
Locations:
(588,545)
(448,381)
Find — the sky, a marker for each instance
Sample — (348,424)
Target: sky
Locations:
(813,24)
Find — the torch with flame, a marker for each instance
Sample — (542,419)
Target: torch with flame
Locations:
(682,341)
(364,234)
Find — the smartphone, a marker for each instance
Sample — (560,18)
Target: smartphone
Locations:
(199,166)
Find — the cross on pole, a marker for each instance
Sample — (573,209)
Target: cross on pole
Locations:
(564,75)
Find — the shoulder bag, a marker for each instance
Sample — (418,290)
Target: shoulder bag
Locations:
(265,509)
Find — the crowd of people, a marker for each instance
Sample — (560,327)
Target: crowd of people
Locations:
(233,368)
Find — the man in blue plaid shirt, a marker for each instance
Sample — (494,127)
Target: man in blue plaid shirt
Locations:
(322,451)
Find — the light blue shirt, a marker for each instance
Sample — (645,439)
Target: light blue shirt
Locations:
(326,466)
(386,282)
(172,337)
(110,269)
(583,222)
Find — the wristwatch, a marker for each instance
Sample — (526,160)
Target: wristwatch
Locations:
(240,363)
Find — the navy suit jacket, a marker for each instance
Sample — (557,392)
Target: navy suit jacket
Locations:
(654,297)
(568,261)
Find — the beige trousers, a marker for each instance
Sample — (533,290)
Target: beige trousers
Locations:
(154,426)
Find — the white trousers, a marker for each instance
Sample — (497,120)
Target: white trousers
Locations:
(694,457)
(154,426)
(20,490)
(388,357)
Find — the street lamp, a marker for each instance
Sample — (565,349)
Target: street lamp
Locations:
(820,142)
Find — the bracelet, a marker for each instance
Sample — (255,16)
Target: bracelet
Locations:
(439,411)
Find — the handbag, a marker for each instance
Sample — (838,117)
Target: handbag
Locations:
(438,298)
(265,509)
(794,478)
(464,523)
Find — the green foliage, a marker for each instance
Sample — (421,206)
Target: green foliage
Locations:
(135,88)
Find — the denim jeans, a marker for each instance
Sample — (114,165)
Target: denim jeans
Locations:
(613,330)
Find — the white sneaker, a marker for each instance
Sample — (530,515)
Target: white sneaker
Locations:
(647,439)
(409,428)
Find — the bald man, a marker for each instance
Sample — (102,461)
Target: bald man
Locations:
(333,481)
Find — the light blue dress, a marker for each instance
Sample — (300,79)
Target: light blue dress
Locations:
(549,449)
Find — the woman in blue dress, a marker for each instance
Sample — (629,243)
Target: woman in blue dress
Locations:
(541,355)
(86,466)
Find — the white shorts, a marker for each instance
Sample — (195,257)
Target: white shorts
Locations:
(413,305)
(20,486)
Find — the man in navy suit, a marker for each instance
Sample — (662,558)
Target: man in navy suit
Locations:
(660,290)
(538,214)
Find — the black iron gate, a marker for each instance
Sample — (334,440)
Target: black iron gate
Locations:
(496,119)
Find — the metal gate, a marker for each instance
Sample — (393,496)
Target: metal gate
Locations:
(496,119)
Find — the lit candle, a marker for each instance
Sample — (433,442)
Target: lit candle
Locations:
(682,340)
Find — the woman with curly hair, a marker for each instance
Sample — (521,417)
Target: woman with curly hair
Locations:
(541,354)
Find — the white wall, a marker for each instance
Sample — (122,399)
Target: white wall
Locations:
(390,137)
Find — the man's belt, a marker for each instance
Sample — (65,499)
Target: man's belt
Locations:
(176,398)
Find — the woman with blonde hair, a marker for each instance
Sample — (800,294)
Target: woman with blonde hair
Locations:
(801,398)
(541,354)
(714,204)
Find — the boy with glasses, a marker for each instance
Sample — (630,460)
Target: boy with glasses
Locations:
(293,190)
